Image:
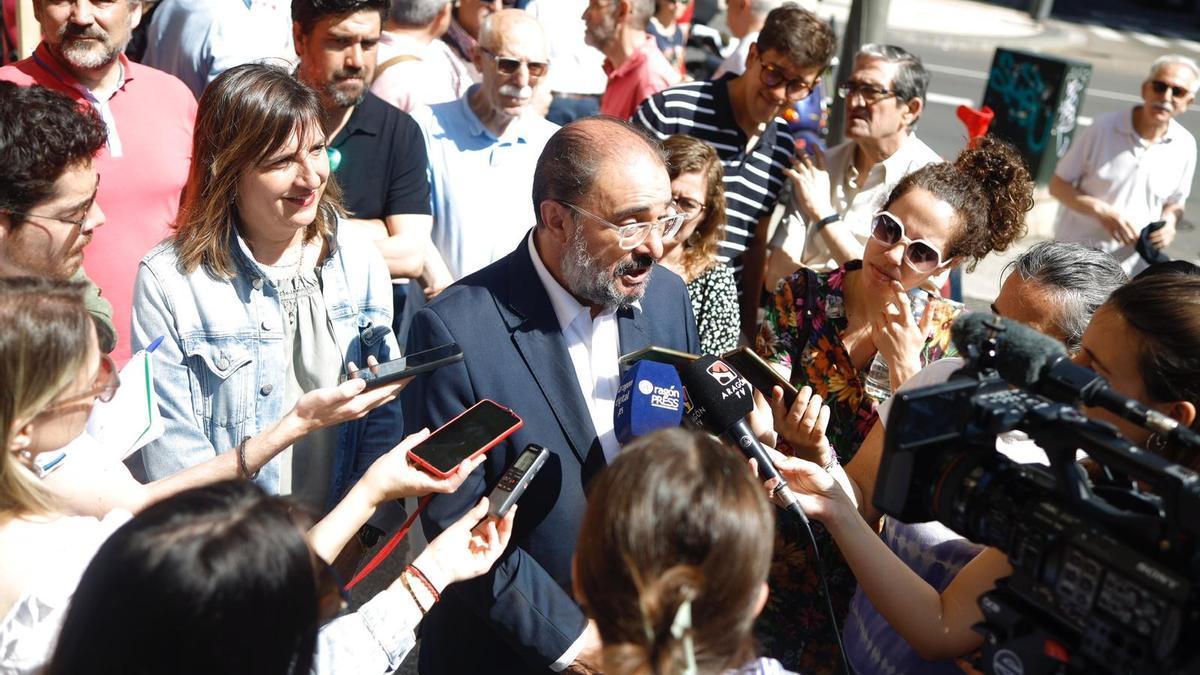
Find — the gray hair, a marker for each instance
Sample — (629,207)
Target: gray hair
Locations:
(912,80)
(640,12)
(416,13)
(1079,278)
(1177,60)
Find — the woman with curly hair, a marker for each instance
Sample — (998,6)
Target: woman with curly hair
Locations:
(850,337)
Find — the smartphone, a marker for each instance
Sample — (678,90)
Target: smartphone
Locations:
(514,481)
(474,432)
(408,365)
(760,374)
(671,357)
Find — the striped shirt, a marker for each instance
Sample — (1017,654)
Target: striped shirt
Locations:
(753,179)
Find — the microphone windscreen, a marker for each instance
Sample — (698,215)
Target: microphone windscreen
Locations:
(1022,353)
(649,398)
(718,395)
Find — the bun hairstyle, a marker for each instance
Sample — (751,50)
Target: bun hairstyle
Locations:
(989,188)
(677,519)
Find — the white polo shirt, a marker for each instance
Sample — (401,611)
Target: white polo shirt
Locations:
(1111,162)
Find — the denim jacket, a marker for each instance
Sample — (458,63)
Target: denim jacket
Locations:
(219,372)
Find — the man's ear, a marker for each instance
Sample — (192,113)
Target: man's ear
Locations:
(556,218)
(298,38)
(135,14)
(1184,411)
(763,593)
(912,110)
(624,7)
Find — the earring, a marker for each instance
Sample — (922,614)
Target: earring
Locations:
(1157,443)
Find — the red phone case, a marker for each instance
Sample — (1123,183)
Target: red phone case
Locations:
(412,454)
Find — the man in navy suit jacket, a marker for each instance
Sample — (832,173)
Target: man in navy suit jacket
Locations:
(541,330)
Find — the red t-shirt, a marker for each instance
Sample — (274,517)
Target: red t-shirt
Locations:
(154,114)
(643,75)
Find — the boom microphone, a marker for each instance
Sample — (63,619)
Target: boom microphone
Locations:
(649,398)
(1031,360)
(720,401)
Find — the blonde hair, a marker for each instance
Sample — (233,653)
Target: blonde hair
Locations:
(42,348)
(246,114)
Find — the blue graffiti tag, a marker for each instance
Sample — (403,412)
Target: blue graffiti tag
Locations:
(1024,92)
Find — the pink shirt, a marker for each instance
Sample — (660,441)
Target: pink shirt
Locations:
(436,75)
(646,73)
(142,169)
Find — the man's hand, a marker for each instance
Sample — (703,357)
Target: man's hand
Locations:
(1163,237)
(589,659)
(1115,223)
(810,186)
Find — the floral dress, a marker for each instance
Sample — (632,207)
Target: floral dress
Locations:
(794,626)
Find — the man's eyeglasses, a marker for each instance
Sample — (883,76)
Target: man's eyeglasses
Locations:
(508,65)
(773,76)
(689,207)
(75,222)
(1161,87)
(632,235)
(104,386)
(918,253)
(869,92)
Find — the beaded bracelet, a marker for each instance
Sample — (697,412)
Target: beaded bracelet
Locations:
(425,580)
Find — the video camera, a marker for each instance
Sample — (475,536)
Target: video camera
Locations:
(1105,570)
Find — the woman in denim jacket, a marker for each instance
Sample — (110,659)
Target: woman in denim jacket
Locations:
(259,296)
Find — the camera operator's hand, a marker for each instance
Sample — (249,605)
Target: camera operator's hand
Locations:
(347,401)
(467,548)
(803,426)
(821,495)
(898,336)
(392,476)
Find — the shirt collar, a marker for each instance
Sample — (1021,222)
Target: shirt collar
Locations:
(635,60)
(900,160)
(516,132)
(358,122)
(566,308)
(1125,126)
(46,59)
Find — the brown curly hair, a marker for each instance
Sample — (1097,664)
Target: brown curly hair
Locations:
(686,154)
(988,187)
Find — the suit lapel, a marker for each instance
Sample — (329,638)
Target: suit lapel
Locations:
(631,329)
(538,337)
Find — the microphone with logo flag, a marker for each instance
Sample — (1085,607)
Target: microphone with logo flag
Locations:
(649,398)
(720,400)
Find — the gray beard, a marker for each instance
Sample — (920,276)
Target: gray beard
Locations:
(80,56)
(591,282)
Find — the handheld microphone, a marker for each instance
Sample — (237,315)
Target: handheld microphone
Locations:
(720,400)
(1037,362)
(649,398)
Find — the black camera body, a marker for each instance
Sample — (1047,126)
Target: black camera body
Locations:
(1105,574)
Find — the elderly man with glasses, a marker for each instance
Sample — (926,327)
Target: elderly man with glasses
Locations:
(483,146)
(541,332)
(1127,176)
(835,195)
(739,116)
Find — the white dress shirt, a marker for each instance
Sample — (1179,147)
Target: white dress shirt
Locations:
(594,346)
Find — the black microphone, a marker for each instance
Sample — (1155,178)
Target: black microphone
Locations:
(720,400)
(1039,363)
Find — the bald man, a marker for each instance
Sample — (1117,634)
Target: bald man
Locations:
(541,330)
(483,146)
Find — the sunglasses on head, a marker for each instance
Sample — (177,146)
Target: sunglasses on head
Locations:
(508,65)
(1161,87)
(918,253)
